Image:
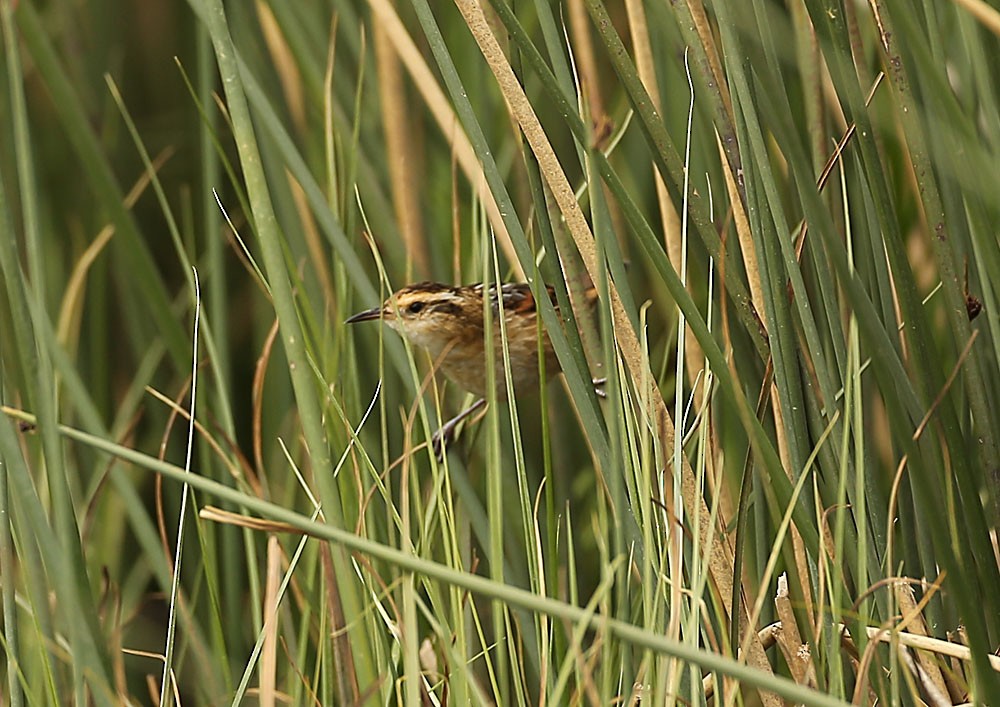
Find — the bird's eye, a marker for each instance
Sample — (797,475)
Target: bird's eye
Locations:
(415,308)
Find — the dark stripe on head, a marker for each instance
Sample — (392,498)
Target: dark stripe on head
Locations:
(446,307)
(427,287)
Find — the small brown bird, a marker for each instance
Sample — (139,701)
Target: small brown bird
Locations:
(448,322)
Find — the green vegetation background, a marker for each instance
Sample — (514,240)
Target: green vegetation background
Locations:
(788,210)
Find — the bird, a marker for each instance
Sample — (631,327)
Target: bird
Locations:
(449,323)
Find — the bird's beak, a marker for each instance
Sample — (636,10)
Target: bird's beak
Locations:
(365,316)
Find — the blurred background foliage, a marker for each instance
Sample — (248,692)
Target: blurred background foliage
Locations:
(823,219)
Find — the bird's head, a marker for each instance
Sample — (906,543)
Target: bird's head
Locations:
(429,314)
